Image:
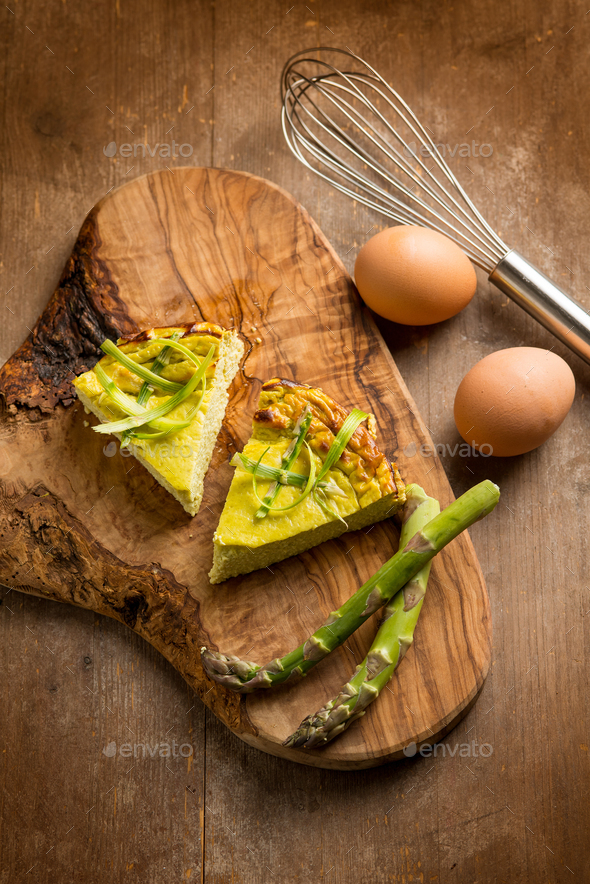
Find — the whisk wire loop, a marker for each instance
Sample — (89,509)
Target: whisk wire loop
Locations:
(337,164)
(325,103)
(355,131)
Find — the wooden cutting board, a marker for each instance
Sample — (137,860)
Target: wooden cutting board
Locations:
(82,524)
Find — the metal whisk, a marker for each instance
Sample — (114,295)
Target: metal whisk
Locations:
(354,130)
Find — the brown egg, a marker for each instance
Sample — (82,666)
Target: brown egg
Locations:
(414,276)
(513,400)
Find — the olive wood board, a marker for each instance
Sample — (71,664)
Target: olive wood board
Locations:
(85,525)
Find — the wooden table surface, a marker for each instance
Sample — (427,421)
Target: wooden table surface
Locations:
(512,76)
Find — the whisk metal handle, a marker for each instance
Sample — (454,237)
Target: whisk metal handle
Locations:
(544,301)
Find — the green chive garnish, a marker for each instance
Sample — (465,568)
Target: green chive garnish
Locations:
(313,484)
(148,416)
(141,371)
(342,439)
(308,487)
(289,458)
(144,395)
(285,477)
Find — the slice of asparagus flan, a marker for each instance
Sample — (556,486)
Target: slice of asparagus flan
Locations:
(163,393)
(310,471)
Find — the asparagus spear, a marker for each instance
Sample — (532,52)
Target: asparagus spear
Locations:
(394,637)
(244,676)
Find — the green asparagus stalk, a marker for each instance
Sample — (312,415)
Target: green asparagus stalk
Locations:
(394,637)
(244,676)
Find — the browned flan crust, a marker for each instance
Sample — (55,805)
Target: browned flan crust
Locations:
(184,328)
(282,403)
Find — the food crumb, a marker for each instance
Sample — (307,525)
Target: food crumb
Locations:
(253,328)
(258,340)
(86,424)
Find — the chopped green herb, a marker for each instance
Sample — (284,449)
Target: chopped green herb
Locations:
(313,483)
(139,416)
